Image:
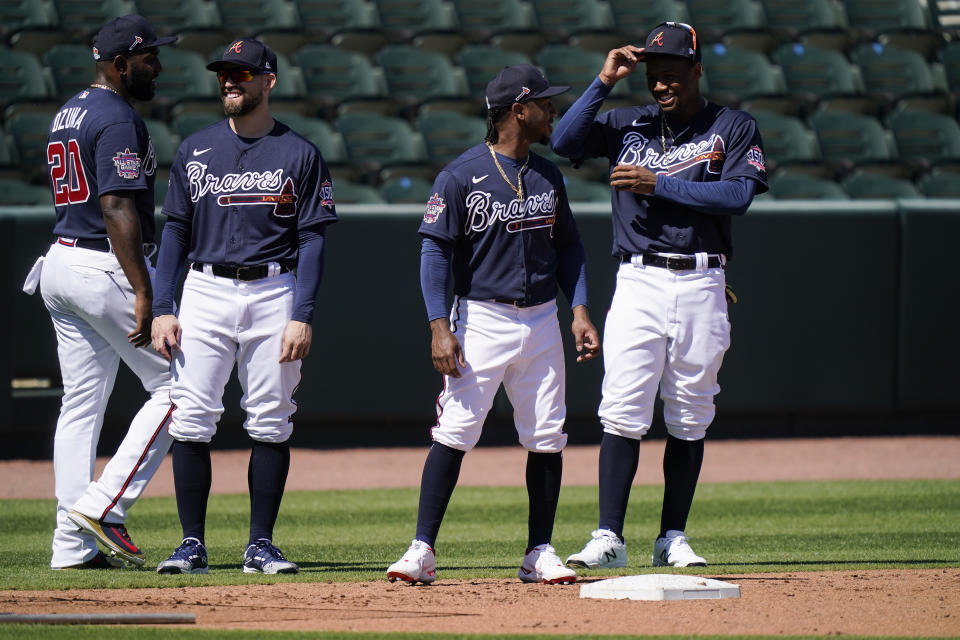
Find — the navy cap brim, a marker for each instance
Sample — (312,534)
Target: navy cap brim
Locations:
(159,42)
(549,92)
(219,64)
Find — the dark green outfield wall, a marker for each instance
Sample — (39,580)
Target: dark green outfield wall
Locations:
(847,323)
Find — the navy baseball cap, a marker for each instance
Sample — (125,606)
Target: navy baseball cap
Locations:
(124,36)
(248,53)
(672,39)
(519,83)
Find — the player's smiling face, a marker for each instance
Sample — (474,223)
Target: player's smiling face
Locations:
(241,89)
(674,83)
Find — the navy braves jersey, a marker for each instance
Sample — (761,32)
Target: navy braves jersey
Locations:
(98,144)
(245,199)
(502,248)
(719,144)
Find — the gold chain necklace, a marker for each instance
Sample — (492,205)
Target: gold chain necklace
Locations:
(516,189)
(664,127)
(97,85)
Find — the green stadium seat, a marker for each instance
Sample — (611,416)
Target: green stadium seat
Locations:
(583,190)
(317,131)
(790,186)
(447,134)
(713,18)
(638,18)
(22,77)
(332,74)
(558,19)
(792,17)
(87,16)
(178,16)
(330,16)
(883,15)
(940,184)
(415,75)
(405,18)
(481,62)
(925,137)
(16,193)
(185,76)
(29,132)
(377,140)
(165,141)
(817,72)
(480,20)
(8,151)
(851,138)
(406,190)
(898,75)
(733,74)
(24,14)
(573,67)
(349,192)
(188,123)
(246,17)
(785,139)
(945,14)
(72,68)
(950,55)
(871,186)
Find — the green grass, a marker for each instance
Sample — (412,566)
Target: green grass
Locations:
(354,535)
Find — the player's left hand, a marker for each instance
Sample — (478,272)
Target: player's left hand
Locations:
(630,177)
(297,337)
(585,335)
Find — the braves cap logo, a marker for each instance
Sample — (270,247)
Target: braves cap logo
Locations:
(235,47)
(137,40)
(658,40)
(524,92)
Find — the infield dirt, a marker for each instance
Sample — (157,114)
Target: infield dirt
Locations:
(886,602)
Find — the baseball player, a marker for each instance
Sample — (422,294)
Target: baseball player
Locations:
(499,216)
(96,283)
(248,203)
(680,169)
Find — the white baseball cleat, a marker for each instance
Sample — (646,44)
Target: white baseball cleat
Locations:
(604,551)
(542,564)
(673,550)
(418,564)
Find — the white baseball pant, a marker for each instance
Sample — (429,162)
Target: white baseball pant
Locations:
(519,347)
(668,329)
(91,304)
(227,322)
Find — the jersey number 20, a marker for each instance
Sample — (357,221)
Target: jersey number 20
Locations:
(66,173)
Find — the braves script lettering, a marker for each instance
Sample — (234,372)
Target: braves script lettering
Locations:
(202,183)
(635,151)
(482,213)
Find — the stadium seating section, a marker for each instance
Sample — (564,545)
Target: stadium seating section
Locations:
(853,98)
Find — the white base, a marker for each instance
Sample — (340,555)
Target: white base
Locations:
(658,586)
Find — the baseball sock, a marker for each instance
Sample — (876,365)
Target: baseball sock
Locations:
(191,480)
(619,458)
(681,470)
(266,477)
(440,474)
(544,471)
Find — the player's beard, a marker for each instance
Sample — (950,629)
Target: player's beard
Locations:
(247,103)
(139,83)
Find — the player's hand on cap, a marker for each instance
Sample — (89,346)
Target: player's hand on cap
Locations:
(446,350)
(166,335)
(296,341)
(630,177)
(143,312)
(619,64)
(585,335)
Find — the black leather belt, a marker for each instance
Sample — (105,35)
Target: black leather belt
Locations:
(675,263)
(99,244)
(515,302)
(256,272)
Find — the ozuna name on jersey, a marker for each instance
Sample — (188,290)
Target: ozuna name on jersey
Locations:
(635,151)
(202,183)
(483,212)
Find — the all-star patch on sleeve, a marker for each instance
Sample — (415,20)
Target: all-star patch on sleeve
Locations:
(435,207)
(121,155)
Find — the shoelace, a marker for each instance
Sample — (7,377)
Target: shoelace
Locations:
(265,545)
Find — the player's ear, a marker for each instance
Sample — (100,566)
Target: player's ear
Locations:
(271,81)
(120,64)
(517,109)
